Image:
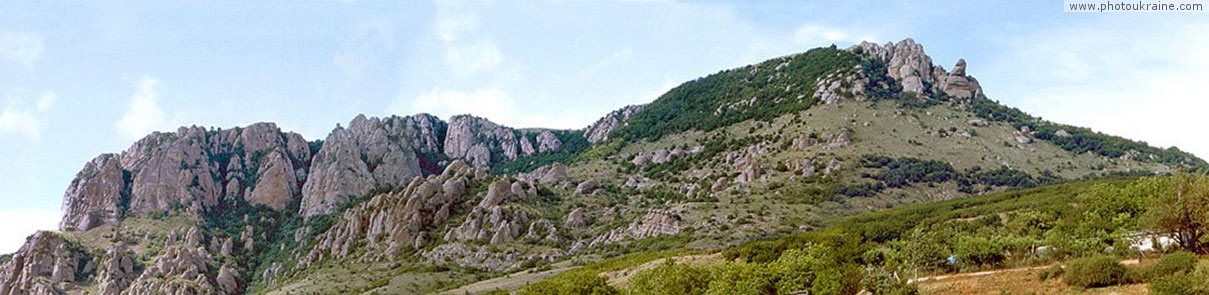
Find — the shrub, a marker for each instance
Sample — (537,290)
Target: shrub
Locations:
(880,281)
(670,278)
(574,283)
(1051,272)
(1174,263)
(1095,271)
(741,278)
(1187,282)
(1180,284)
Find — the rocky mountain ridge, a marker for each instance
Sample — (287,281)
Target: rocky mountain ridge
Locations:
(256,209)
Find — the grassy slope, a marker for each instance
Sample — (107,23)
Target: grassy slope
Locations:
(770,208)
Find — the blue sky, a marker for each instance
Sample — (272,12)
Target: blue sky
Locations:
(80,78)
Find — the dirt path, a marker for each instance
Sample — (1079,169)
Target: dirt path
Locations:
(996,271)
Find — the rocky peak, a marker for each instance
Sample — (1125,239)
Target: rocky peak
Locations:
(906,62)
(958,85)
(191,168)
(95,195)
(370,154)
(473,138)
(599,131)
(909,65)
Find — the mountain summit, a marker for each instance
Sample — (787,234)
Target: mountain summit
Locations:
(418,204)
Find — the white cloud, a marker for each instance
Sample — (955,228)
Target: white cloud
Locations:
(490,103)
(1121,78)
(468,51)
(21,48)
(143,114)
(19,117)
(19,224)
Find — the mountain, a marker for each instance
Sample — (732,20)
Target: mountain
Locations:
(418,204)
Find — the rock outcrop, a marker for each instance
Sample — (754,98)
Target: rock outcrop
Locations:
(599,131)
(94,196)
(388,222)
(45,261)
(115,273)
(368,155)
(472,138)
(192,169)
(908,64)
(958,85)
(654,223)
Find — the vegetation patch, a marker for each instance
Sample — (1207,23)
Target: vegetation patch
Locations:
(761,92)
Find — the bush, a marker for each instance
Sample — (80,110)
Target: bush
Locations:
(670,278)
(1174,263)
(1187,282)
(575,283)
(1095,271)
(1181,284)
(1051,272)
(741,278)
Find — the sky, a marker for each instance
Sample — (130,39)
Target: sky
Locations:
(81,78)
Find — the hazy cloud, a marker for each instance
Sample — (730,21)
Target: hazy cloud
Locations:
(22,117)
(20,48)
(467,50)
(143,114)
(490,103)
(19,224)
(359,51)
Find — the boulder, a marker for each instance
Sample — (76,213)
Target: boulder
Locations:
(576,219)
(557,173)
(585,187)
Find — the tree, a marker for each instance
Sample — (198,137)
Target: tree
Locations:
(1182,209)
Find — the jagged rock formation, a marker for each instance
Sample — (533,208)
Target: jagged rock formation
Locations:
(482,142)
(193,168)
(181,269)
(41,266)
(958,85)
(912,68)
(94,196)
(599,131)
(115,273)
(370,154)
(388,222)
(489,221)
(426,196)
